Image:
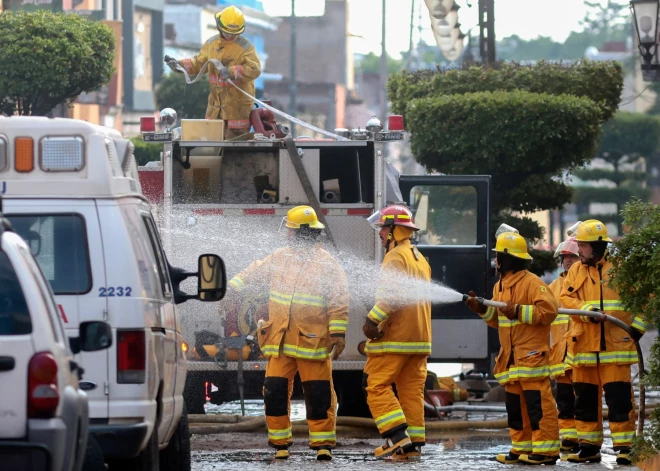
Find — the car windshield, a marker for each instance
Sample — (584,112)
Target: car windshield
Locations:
(14,313)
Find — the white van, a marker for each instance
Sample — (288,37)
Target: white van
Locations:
(71,189)
(43,413)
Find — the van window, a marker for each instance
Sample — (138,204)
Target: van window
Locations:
(14,313)
(158,254)
(59,243)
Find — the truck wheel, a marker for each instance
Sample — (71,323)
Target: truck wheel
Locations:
(176,457)
(147,460)
(93,456)
(194,394)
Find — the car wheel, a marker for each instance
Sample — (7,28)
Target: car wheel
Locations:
(147,460)
(93,456)
(176,457)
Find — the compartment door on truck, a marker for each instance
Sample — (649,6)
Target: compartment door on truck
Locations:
(453,213)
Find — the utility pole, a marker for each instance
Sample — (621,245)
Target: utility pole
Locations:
(487,31)
(292,72)
(383,70)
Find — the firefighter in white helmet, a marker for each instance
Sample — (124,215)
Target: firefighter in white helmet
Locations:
(240,64)
(567,252)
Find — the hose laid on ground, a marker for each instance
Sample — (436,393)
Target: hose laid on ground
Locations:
(613,320)
(345,425)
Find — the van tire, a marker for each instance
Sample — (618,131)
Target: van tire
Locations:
(94,460)
(194,393)
(176,456)
(147,460)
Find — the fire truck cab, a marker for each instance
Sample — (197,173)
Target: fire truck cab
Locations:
(231,195)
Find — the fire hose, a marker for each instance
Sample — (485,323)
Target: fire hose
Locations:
(221,68)
(641,413)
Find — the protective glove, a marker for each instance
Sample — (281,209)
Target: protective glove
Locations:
(597,320)
(510,311)
(473,304)
(236,71)
(224,73)
(172,63)
(636,334)
(338,344)
(371,331)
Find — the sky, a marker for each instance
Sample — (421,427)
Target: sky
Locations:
(526,18)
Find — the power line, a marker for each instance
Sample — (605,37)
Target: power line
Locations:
(637,96)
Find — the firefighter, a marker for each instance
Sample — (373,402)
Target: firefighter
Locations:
(600,353)
(307,320)
(522,365)
(399,333)
(241,65)
(567,252)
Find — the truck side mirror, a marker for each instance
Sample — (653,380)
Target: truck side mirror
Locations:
(94,336)
(211,278)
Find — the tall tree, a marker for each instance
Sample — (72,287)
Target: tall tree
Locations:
(50,58)
(629,138)
(523,125)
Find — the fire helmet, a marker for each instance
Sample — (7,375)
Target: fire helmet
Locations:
(393,215)
(230,20)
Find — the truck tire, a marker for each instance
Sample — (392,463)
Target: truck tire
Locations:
(94,460)
(194,394)
(176,456)
(147,460)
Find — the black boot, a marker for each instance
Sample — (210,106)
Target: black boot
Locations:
(509,458)
(623,456)
(586,454)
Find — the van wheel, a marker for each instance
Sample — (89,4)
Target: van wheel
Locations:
(147,460)
(93,456)
(176,457)
(194,394)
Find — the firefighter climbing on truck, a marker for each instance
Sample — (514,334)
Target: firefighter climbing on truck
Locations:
(239,63)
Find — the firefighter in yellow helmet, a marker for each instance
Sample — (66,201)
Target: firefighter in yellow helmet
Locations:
(306,327)
(399,334)
(240,64)
(600,353)
(522,365)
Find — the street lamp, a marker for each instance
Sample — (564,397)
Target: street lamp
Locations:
(645,17)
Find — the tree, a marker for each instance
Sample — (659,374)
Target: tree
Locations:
(371,64)
(523,125)
(628,138)
(51,58)
(189,101)
(636,277)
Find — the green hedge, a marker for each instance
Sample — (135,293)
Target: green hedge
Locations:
(631,134)
(522,139)
(146,151)
(601,82)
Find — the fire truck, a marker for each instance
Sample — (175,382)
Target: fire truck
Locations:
(230,196)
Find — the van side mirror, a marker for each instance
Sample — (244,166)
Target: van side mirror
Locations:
(211,278)
(93,336)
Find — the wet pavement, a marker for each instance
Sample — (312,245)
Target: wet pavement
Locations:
(466,453)
(457,451)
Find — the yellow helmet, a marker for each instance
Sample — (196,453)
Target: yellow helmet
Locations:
(512,244)
(300,216)
(230,20)
(592,230)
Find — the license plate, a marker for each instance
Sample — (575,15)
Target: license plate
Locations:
(388,136)
(160,137)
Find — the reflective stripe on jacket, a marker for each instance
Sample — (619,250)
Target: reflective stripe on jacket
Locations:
(525,341)
(587,287)
(405,322)
(308,301)
(558,331)
(224,100)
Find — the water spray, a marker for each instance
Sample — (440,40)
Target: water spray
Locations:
(613,320)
